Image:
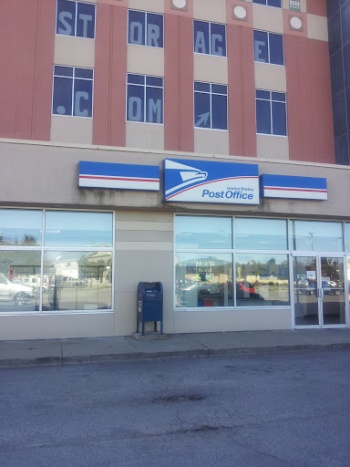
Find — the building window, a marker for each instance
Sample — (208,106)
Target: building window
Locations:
(210,106)
(271,113)
(55,260)
(268,47)
(75,19)
(211,272)
(209,38)
(72,91)
(145,29)
(144,99)
(294,5)
(276,3)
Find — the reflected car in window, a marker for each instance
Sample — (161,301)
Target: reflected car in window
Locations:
(20,294)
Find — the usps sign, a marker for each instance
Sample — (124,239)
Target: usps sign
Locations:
(210,182)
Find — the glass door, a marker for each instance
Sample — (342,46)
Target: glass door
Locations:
(332,290)
(319,298)
(305,280)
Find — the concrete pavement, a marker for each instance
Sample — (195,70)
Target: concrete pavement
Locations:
(153,345)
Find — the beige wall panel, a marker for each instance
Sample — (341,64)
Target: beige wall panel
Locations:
(238,320)
(132,267)
(56,326)
(144,226)
(74,51)
(211,69)
(156,6)
(144,135)
(273,147)
(317,27)
(145,60)
(71,129)
(56,184)
(210,11)
(159,220)
(268,18)
(211,141)
(272,77)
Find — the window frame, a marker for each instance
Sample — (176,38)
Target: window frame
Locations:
(145,88)
(210,24)
(271,101)
(211,95)
(42,249)
(205,253)
(75,29)
(267,3)
(146,15)
(73,79)
(268,42)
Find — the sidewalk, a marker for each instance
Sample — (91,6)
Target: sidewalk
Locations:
(79,350)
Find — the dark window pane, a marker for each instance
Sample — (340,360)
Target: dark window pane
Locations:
(276,49)
(260,2)
(262,94)
(204,87)
(219,112)
(84,73)
(63,71)
(65,18)
(153,81)
(62,96)
(276,3)
(201,110)
(218,40)
(82,98)
(219,89)
(137,29)
(154,30)
(154,106)
(201,37)
(86,20)
(136,79)
(263,117)
(261,50)
(135,104)
(279,118)
(279,96)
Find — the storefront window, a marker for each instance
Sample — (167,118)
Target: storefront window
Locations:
(317,236)
(72,270)
(262,280)
(206,277)
(78,280)
(203,280)
(260,234)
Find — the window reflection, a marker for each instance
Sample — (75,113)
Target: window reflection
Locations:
(317,236)
(262,280)
(260,234)
(203,232)
(78,280)
(19,280)
(65,228)
(20,227)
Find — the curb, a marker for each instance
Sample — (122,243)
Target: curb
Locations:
(79,359)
